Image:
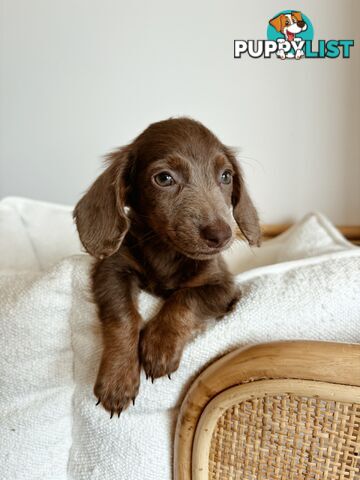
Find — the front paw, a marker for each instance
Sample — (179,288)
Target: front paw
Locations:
(160,350)
(117,382)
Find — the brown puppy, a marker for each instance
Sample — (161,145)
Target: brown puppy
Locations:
(185,194)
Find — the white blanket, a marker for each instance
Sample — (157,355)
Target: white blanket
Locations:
(50,344)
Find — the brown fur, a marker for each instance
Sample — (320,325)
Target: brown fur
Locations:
(168,243)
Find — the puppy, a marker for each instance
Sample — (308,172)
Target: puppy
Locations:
(289,25)
(184,194)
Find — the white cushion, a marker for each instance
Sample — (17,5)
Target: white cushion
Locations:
(36,378)
(50,337)
(34,234)
(312,236)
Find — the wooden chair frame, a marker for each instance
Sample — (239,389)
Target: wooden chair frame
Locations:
(321,362)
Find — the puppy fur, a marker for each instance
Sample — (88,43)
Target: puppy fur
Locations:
(158,219)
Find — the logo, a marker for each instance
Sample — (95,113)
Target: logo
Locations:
(290,30)
(290,35)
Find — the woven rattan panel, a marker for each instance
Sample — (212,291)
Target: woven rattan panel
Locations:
(287,437)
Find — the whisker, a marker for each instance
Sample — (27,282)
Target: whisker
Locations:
(247,160)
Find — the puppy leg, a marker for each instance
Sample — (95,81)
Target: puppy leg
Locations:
(182,316)
(118,379)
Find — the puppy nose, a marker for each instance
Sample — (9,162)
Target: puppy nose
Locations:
(216,234)
(301,24)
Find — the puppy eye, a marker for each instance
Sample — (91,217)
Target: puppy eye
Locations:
(226,177)
(164,179)
(287,22)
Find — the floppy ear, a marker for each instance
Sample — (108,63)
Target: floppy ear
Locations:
(100,216)
(297,15)
(244,212)
(276,23)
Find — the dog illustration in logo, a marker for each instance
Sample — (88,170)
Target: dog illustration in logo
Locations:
(289,24)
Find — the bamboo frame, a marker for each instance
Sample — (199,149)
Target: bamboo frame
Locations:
(316,361)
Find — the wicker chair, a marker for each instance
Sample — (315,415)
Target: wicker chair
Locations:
(285,410)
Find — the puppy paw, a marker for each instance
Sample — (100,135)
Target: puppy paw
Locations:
(117,383)
(160,350)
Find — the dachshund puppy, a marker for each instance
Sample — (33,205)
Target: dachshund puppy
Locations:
(157,219)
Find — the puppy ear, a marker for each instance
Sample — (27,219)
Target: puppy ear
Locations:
(244,212)
(100,216)
(297,15)
(276,23)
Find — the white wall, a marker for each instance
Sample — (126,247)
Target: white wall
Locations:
(79,77)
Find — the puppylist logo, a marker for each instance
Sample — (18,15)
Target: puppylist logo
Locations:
(290,35)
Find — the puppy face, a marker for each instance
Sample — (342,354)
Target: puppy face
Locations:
(180,181)
(186,183)
(289,24)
